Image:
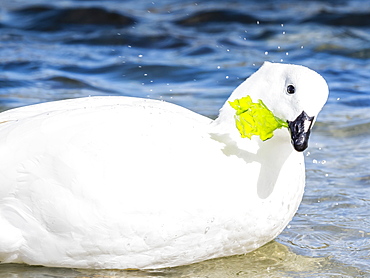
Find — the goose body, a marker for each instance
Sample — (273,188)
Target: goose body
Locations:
(121,182)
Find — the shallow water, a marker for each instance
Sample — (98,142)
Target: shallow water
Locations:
(194,54)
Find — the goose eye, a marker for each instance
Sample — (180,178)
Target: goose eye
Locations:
(290,89)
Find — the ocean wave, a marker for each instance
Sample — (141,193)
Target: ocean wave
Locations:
(53,18)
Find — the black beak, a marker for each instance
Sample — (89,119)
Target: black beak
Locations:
(300,130)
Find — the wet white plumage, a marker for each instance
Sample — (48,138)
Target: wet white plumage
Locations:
(119,182)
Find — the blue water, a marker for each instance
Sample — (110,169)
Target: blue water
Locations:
(194,54)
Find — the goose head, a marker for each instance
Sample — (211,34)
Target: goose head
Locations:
(293,93)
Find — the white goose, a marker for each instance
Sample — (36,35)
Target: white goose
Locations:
(119,182)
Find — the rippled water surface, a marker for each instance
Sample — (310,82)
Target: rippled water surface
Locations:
(194,54)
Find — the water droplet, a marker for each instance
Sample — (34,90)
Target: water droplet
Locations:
(266,52)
